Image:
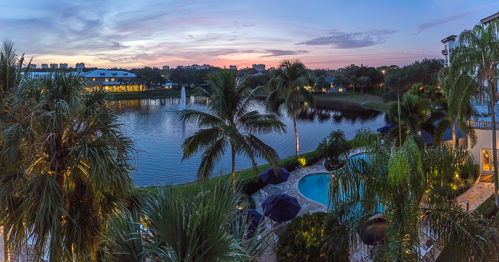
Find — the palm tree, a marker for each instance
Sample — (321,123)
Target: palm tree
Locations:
(231,123)
(413,113)
(64,167)
(291,81)
(200,226)
(408,183)
(354,82)
(10,67)
(448,85)
(333,146)
(477,56)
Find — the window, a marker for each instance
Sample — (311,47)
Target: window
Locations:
(487,160)
(107,79)
(112,79)
(93,79)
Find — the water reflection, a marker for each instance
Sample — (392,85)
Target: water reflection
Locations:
(155,127)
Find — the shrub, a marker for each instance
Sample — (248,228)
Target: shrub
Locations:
(303,238)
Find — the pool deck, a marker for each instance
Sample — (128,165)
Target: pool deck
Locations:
(476,195)
(307,205)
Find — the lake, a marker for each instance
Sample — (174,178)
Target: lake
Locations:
(154,126)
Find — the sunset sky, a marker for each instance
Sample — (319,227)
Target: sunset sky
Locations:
(321,33)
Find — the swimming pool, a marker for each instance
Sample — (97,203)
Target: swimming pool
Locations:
(316,186)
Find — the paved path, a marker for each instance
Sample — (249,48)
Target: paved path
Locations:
(476,195)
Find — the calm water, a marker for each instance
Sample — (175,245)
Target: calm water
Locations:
(154,126)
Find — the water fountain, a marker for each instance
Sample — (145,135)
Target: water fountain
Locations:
(183,103)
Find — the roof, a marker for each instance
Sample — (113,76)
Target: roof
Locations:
(447,39)
(108,73)
(446,137)
(489,18)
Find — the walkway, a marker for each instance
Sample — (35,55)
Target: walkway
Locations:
(476,195)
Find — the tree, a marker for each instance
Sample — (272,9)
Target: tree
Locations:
(320,83)
(10,67)
(333,146)
(364,82)
(354,82)
(478,57)
(230,123)
(291,81)
(448,85)
(337,81)
(399,80)
(408,183)
(413,114)
(64,167)
(182,226)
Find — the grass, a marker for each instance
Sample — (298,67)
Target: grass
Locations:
(365,100)
(241,176)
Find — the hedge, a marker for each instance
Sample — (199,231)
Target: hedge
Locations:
(303,238)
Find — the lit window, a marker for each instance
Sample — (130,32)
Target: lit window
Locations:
(112,79)
(93,79)
(107,80)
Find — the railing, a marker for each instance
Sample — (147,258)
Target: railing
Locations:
(482,124)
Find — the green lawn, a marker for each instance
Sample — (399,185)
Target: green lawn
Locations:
(365,100)
(242,175)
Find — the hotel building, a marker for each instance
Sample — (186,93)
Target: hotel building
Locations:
(113,81)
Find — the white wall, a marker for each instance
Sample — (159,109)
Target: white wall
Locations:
(484,141)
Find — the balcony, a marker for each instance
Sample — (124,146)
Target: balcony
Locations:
(483,125)
(445,52)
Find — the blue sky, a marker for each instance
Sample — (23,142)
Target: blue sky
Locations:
(322,34)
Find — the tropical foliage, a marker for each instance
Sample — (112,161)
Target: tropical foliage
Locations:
(64,167)
(406,184)
(477,57)
(332,147)
(10,67)
(290,82)
(303,238)
(399,80)
(176,226)
(230,124)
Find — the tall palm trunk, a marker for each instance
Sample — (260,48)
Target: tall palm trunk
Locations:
(494,145)
(454,132)
(296,134)
(233,153)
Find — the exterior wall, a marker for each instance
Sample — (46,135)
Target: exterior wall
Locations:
(484,141)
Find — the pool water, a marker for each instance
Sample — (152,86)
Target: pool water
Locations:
(316,187)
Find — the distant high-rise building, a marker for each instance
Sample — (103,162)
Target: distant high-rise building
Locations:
(80,65)
(233,67)
(54,66)
(259,67)
(45,66)
(32,66)
(166,68)
(63,66)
